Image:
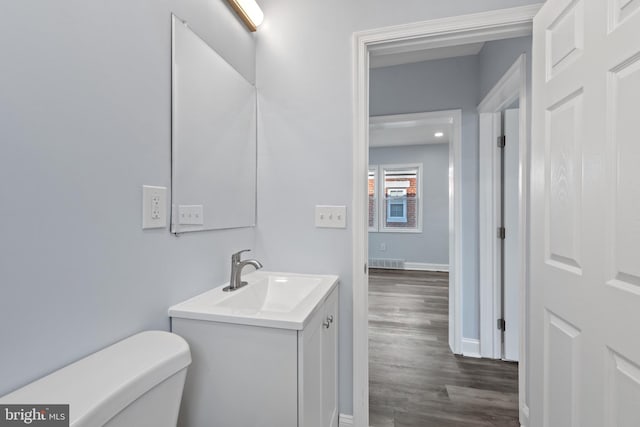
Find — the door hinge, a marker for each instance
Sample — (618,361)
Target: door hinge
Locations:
(365,268)
(502,233)
(502,325)
(502,141)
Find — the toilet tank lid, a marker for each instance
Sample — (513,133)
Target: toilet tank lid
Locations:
(104,383)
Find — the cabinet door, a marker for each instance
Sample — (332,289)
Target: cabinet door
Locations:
(330,361)
(310,372)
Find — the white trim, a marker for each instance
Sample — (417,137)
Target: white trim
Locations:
(416,122)
(488,221)
(360,207)
(451,31)
(414,119)
(345,420)
(491,25)
(455,235)
(512,86)
(397,230)
(399,55)
(524,415)
(471,347)
(423,266)
(507,89)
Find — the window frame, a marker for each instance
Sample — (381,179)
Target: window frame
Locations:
(381,196)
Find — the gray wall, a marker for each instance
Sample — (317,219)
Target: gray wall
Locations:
(84,122)
(431,246)
(443,85)
(304,77)
(496,57)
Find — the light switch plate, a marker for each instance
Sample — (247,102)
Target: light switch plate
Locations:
(331,216)
(154,207)
(190,215)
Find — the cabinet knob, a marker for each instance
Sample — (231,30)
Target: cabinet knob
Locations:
(330,318)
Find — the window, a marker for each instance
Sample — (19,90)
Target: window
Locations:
(397,199)
(396,205)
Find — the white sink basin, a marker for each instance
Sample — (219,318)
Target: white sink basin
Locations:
(279,300)
(279,294)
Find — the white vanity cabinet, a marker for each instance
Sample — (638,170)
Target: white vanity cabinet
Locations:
(261,370)
(318,369)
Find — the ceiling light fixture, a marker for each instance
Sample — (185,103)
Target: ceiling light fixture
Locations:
(249,12)
(438,134)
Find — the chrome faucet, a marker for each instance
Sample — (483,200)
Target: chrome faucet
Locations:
(236,270)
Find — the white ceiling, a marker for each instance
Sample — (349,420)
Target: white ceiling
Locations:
(409,129)
(397,55)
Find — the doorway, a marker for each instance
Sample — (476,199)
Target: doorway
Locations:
(408,310)
(480,27)
(427,146)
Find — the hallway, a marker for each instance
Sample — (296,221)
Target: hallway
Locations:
(414,380)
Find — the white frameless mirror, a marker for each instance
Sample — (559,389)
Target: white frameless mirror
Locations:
(213,142)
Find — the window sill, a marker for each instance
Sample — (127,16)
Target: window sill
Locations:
(397,230)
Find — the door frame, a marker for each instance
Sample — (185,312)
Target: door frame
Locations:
(511,86)
(472,28)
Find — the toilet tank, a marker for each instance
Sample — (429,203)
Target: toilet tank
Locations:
(135,382)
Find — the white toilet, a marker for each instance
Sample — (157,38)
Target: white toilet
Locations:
(135,382)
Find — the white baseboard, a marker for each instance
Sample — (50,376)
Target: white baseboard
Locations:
(345,420)
(471,347)
(524,422)
(423,266)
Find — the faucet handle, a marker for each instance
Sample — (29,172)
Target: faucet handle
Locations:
(236,257)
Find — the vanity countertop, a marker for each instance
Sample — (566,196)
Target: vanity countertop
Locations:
(270,299)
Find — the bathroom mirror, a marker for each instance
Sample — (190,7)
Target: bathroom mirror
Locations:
(213,174)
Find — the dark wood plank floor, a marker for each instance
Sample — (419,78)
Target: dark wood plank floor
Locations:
(414,379)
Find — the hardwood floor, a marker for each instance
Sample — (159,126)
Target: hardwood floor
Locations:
(414,379)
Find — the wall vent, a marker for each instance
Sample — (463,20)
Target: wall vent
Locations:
(393,264)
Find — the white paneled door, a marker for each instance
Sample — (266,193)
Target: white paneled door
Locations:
(585,218)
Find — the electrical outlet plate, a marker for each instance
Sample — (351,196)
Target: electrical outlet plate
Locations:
(331,216)
(154,207)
